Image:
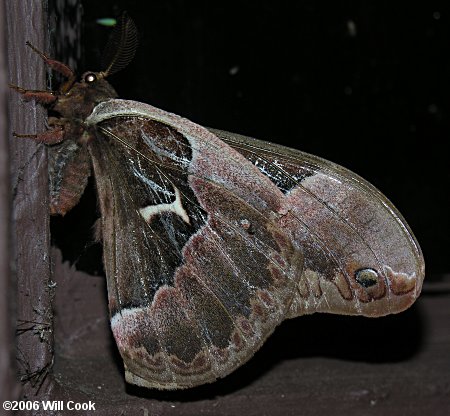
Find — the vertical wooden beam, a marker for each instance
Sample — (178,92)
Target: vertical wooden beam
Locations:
(26,21)
(9,387)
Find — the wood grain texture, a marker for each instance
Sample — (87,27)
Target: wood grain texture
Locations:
(25,22)
(8,382)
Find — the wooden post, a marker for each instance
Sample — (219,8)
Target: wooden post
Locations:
(9,388)
(25,21)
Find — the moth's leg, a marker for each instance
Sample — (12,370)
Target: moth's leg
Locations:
(52,63)
(48,97)
(51,136)
(40,96)
(55,134)
(58,67)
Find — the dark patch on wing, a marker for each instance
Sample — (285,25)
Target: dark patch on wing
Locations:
(284,175)
(142,173)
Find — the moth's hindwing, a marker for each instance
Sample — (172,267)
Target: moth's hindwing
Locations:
(199,264)
(360,255)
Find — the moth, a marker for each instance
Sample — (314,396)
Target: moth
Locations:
(212,239)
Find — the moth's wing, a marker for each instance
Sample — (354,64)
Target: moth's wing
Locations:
(360,255)
(199,268)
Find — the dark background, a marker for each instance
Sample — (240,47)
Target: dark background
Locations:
(364,84)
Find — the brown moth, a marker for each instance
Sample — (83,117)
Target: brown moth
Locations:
(212,239)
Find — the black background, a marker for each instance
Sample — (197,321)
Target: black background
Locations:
(364,84)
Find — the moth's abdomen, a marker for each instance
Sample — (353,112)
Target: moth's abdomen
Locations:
(69,170)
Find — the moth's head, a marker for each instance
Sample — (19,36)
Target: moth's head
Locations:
(95,85)
(118,53)
(79,96)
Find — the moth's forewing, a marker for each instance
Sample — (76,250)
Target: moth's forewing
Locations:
(200,268)
(360,255)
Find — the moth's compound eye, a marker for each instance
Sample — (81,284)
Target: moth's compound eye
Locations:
(90,78)
(366,277)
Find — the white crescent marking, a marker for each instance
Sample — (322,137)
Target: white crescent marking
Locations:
(176,207)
